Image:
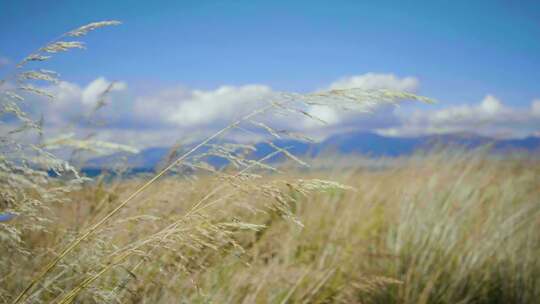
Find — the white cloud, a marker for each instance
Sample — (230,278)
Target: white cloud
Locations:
(93,90)
(327,114)
(488,108)
(372,81)
(72,100)
(490,105)
(490,117)
(193,108)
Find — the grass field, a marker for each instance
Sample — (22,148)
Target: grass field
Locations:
(442,227)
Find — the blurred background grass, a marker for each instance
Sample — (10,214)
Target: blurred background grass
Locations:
(449,226)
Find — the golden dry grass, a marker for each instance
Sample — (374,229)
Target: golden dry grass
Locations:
(438,228)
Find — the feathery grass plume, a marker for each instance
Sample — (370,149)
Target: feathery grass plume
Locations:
(62,46)
(29,183)
(360,99)
(95,146)
(85,29)
(44,75)
(57,45)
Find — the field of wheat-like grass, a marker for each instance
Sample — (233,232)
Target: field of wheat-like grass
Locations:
(442,227)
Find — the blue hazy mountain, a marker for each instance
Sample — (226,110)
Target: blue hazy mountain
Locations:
(369,144)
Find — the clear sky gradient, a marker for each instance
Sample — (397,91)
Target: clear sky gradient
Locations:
(460,51)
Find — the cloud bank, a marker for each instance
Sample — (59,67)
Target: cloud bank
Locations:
(179,112)
(489,117)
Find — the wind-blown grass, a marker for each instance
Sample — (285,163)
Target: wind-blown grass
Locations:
(446,227)
(90,253)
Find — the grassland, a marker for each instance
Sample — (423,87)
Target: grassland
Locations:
(444,227)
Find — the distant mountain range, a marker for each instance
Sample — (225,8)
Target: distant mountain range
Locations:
(369,144)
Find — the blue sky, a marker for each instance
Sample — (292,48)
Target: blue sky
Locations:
(460,52)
